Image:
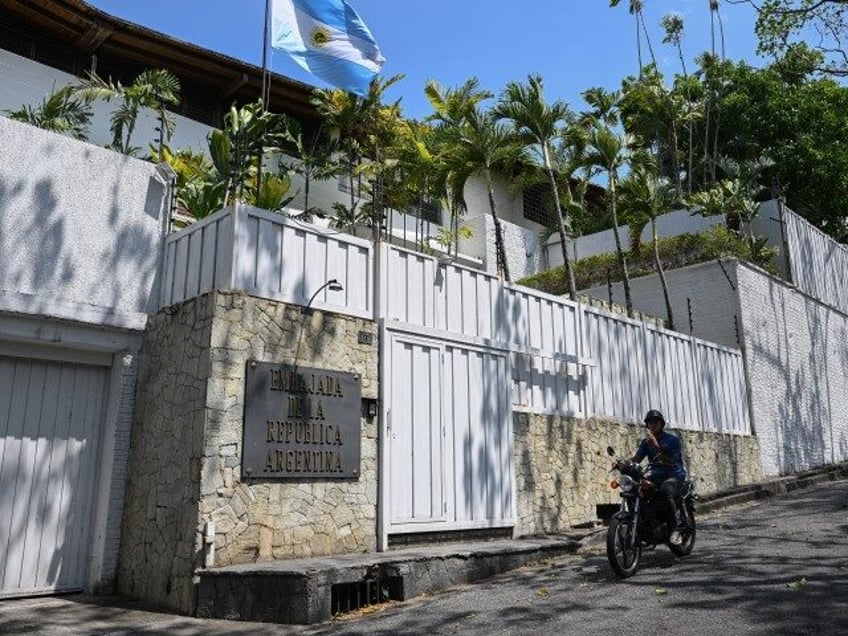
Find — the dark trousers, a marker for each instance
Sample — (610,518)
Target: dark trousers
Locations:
(670,488)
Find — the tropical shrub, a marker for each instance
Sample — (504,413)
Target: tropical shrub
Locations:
(675,252)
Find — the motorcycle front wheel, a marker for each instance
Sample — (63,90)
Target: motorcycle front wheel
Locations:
(687,532)
(622,551)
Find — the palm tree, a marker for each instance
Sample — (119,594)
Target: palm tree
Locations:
(361,126)
(314,160)
(412,178)
(538,125)
(609,151)
(646,197)
(152,89)
(451,108)
(488,147)
(673,26)
(603,106)
(635,9)
(715,12)
(60,112)
(652,113)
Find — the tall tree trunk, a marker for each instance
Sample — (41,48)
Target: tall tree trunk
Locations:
(306,180)
(648,39)
(454,231)
(639,45)
(622,259)
(661,272)
(690,123)
(562,219)
(500,248)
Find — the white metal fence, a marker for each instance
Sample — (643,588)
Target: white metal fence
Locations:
(568,358)
(697,384)
(819,264)
(270,256)
(565,358)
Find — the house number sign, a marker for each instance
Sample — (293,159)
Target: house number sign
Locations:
(300,423)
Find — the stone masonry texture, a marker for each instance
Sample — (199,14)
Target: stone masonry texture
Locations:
(563,470)
(185,467)
(159,540)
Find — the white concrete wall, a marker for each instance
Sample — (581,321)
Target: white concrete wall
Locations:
(81,234)
(81,229)
(798,371)
(795,350)
(509,207)
(26,82)
(521,245)
(671,224)
(714,302)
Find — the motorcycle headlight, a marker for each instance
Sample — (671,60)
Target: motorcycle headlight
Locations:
(626,483)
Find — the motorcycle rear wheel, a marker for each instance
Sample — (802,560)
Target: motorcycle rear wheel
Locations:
(622,552)
(687,532)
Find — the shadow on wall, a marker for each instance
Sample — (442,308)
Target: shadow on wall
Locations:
(47,468)
(81,233)
(799,359)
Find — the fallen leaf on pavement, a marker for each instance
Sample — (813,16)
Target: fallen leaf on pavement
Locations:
(661,591)
(542,592)
(796,584)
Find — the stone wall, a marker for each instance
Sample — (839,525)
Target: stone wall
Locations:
(159,541)
(282,519)
(562,467)
(185,467)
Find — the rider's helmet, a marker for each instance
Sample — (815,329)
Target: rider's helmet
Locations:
(654,414)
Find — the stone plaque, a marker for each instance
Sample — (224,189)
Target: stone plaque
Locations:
(300,423)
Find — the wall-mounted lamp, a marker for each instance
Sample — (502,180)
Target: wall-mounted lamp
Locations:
(332,284)
(369,408)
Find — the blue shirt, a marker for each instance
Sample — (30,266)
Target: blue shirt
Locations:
(665,461)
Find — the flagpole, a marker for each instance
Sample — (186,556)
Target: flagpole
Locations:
(265,83)
(266,90)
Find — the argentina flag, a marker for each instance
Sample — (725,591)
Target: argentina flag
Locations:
(328,39)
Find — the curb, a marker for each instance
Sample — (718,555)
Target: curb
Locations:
(771,488)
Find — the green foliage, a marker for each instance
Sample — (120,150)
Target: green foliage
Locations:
(799,123)
(231,173)
(781,22)
(676,251)
(199,189)
(314,160)
(447,237)
(60,112)
(152,89)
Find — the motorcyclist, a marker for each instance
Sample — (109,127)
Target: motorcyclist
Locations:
(665,469)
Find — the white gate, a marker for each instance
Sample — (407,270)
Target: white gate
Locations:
(50,422)
(449,448)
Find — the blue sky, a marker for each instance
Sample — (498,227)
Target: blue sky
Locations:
(573,44)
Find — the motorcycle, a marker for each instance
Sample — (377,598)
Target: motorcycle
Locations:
(640,522)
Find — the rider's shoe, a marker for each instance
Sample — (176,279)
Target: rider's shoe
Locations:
(675,538)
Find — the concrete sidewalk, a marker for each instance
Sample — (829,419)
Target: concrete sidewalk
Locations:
(302,590)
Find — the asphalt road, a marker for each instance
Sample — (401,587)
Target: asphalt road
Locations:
(778,567)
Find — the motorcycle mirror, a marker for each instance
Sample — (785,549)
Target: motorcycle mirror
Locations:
(610,451)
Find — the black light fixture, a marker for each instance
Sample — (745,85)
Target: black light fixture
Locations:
(332,284)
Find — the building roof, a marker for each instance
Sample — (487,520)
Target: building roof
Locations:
(75,37)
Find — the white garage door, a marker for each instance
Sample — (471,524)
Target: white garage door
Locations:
(50,422)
